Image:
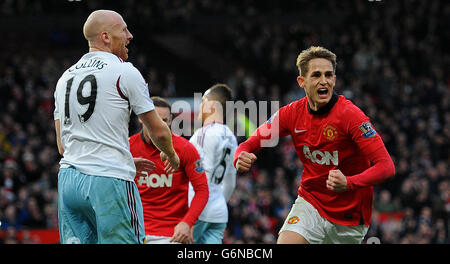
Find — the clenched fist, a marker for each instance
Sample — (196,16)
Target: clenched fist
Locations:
(336,181)
(245,161)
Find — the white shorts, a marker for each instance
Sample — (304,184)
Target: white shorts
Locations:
(149,239)
(305,220)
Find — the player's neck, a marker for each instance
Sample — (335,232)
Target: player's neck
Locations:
(146,138)
(314,106)
(318,109)
(93,48)
(213,119)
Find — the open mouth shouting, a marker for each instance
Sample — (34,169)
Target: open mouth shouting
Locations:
(323,93)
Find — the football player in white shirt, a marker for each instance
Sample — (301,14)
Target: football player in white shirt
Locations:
(216,144)
(98,201)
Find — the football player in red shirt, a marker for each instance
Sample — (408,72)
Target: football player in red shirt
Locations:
(167,216)
(342,154)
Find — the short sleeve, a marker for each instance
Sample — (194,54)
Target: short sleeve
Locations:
(135,89)
(56,112)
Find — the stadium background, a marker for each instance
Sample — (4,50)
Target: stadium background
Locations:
(393,63)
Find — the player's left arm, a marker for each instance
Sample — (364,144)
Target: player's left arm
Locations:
(194,170)
(382,169)
(372,146)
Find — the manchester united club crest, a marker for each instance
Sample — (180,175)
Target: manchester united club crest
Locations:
(293,220)
(330,132)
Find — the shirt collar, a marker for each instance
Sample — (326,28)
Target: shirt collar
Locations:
(143,138)
(325,109)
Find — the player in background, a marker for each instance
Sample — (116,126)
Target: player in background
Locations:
(216,144)
(342,154)
(167,216)
(98,201)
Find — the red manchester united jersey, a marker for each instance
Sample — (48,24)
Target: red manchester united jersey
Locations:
(338,136)
(165,195)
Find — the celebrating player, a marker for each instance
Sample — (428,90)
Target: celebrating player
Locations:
(342,154)
(98,201)
(216,144)
(167,217)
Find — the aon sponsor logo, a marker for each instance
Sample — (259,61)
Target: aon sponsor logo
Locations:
(320,157)
(154,180)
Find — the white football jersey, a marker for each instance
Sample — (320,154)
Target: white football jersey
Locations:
(216,145)
(93,101)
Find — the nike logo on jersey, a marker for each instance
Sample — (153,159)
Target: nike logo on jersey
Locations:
(299,130)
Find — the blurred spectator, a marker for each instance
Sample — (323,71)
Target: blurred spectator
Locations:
(384,202)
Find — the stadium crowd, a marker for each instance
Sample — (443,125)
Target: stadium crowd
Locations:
(391,63)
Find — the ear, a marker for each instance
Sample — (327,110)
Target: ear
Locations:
(212,106)
(217,107)
(105,37)
(208,107)
(300,81)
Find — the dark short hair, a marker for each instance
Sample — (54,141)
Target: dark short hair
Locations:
(160,102)
(221,93)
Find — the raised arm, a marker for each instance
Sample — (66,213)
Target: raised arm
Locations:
(266,135)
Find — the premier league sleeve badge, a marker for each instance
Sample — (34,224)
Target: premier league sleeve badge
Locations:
(367,129)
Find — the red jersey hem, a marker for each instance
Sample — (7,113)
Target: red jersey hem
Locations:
(167,232)
(322,212)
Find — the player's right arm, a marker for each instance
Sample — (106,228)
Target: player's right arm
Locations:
(244,161)
(133,86)
(58,137)
(58,121)
(160,134)
(277,126)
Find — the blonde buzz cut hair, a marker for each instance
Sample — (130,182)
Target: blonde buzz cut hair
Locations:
(314,52)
